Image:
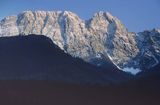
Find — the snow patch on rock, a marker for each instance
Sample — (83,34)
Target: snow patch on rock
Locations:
(131,70)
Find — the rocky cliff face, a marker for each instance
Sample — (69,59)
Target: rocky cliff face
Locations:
(149,44)
(98,40)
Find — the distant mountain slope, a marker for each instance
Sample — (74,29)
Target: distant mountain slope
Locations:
(98,40)
(35,57)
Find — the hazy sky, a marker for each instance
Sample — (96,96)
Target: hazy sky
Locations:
(137,15)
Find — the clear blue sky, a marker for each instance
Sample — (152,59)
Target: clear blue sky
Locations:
(137,15)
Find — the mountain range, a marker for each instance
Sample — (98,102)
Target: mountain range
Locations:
(78,62)
(99,40)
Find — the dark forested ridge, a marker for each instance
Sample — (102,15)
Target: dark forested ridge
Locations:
(35,57)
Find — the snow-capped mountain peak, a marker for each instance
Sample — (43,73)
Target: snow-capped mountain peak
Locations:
(103,34)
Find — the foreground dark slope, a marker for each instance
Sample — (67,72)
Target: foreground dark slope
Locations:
(37,58)
(51,93)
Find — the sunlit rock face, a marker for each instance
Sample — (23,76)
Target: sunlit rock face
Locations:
(98,40)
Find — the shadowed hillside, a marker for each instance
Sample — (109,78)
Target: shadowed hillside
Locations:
(150,78)
(37,58)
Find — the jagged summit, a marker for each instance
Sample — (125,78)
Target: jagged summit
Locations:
(98,40)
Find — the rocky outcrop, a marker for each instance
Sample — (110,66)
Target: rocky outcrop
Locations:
(98,40)
(149,45)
